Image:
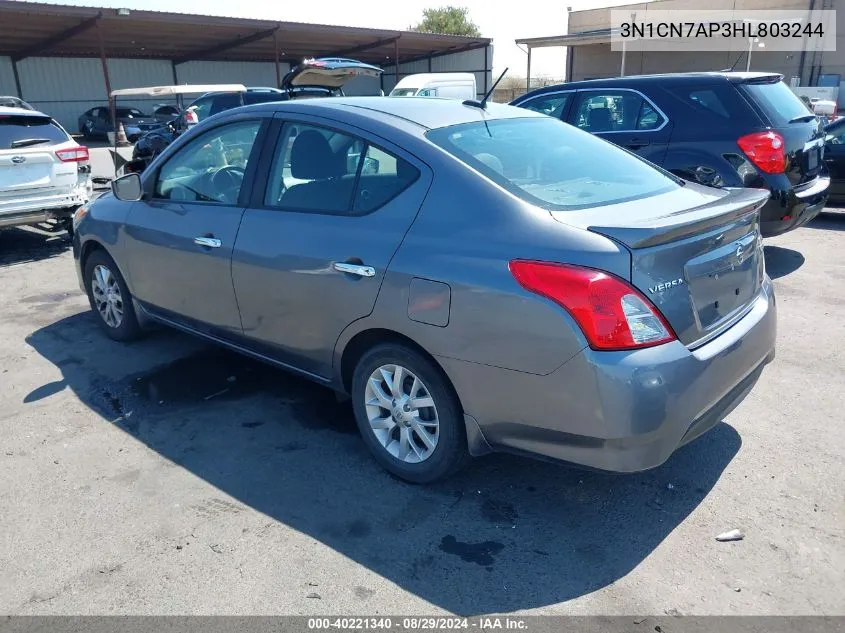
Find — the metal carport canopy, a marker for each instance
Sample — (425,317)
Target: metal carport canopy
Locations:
(30,29)
(585,38)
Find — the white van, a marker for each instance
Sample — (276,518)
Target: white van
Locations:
(448,85)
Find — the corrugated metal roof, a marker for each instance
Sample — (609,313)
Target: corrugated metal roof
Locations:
(36,28)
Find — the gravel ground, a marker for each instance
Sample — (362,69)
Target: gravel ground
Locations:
(168,477)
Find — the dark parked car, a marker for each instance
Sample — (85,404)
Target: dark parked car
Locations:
(97,123)
(724,129)
(834,158)
(466,276)
(323,77)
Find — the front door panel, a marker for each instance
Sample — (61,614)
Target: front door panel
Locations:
(179,242)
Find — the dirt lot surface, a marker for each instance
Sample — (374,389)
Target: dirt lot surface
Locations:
(169,477)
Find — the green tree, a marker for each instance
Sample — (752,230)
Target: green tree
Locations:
(448,20)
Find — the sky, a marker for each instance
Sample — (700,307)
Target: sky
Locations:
(497,19)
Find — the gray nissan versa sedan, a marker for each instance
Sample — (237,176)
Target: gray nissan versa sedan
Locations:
(476,277)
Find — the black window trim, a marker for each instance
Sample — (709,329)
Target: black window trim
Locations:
(281,119)
(644,97)
(249,174)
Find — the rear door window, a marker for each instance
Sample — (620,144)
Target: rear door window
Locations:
(326,171)
(777,101)
(610,110)
(29,131)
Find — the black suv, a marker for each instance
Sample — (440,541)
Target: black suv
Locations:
(723,129)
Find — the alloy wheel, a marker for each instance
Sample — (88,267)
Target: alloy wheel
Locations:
(107,296)
(402,413)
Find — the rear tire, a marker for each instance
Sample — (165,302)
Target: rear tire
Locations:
(109,298)
(414,428)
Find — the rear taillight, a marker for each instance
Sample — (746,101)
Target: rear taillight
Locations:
(73,155)
(766,150)
(191,118)
(612,314)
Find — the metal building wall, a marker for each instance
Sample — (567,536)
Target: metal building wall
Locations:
(65,87)
(7,78)
(256,74)
(477,61)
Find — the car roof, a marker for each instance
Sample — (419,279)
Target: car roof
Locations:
(664,78)
(7,111)
(425,112)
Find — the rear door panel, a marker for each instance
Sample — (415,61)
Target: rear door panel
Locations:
(294,303)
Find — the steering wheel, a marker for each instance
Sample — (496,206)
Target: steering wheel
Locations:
(228,177)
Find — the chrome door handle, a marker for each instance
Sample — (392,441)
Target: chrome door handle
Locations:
(355,269)
(208,242)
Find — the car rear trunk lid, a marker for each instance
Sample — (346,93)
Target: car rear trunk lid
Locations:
(696,253)
(330,73)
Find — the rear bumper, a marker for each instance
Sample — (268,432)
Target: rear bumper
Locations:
(32,209)
(789,209)
(620,411)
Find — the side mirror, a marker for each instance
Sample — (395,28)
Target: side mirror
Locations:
(127,188)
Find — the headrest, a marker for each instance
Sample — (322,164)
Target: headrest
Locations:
(311,157)
(491,161)
(599,119)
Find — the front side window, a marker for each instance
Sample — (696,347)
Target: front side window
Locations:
(427,92)
(210,168)
(552,105)
(325,171)
(542,161)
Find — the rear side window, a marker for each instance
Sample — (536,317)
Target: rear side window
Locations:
(225,102)
(29,131)
(542,161)
(717,104)
(777,101)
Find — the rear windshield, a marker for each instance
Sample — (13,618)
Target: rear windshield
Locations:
(262,97)
(29,131)
(777,101)
(552,164)
(130,113)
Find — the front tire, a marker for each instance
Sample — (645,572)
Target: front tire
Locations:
(408,414)
(109,298)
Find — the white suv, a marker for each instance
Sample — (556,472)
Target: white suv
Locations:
(44,173)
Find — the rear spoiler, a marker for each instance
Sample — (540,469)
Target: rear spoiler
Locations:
(758,79)
(669,228)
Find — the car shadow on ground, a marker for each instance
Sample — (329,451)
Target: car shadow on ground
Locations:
(506,534)
(781,261)
(28,244)
(833,220)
